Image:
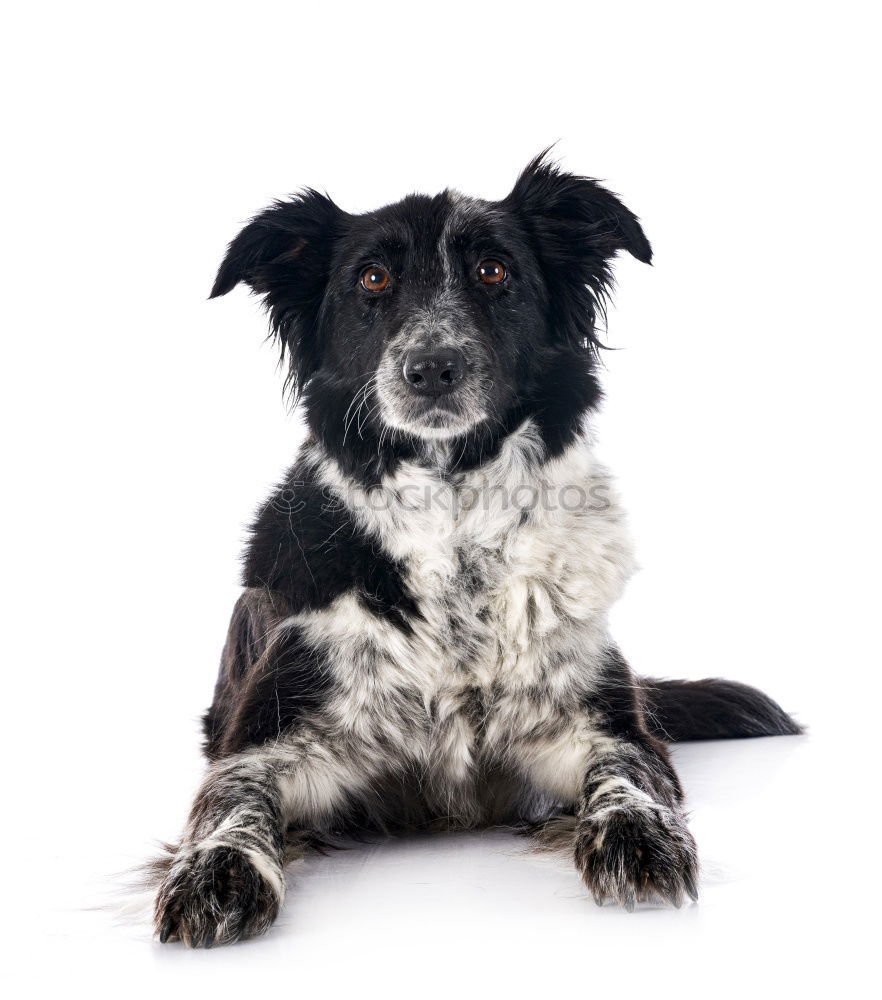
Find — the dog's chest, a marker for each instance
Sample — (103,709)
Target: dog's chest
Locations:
(481,597)
(512,570)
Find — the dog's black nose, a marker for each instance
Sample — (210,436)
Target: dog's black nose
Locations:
(434,373)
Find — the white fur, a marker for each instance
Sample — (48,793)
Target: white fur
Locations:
(547,577)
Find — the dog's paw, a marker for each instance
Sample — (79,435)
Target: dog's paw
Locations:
(214,896)
(637,854)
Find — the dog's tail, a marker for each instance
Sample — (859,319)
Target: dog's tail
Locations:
(712,709)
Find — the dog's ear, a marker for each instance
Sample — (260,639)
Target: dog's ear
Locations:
(578,212)
(284,254)
(577,227)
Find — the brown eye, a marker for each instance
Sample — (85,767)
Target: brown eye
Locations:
(374,279)
(491,272)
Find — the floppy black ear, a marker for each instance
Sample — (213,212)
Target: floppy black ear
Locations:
(578,227)
(284,254)
(579,210)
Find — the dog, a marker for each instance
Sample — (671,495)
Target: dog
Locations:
(422,639)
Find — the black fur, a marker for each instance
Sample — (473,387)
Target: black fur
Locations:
(301,518)
(712,709)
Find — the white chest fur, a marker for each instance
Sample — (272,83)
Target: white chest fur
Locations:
(513,566)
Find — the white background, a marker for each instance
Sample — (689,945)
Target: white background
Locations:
(144,423)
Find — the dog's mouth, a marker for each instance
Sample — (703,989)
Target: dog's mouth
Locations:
(445,417)
(439,415)
(431,416)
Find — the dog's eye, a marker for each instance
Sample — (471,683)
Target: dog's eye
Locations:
(375,279)
(491,272)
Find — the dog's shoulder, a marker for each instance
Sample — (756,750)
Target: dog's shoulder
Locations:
(307,543)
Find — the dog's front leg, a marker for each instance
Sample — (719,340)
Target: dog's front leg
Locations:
(632,843)
(226,881)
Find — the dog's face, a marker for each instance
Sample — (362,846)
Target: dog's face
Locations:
(433,307)
(437,316)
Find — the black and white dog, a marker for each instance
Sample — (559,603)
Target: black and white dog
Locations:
(422,641)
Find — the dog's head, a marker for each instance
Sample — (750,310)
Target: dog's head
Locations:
(439,316)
